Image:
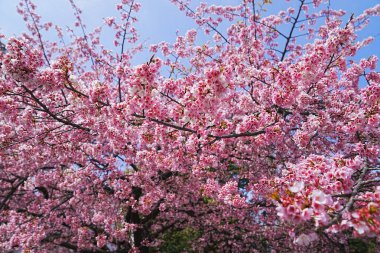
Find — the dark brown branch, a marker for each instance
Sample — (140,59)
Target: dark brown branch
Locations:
(46,109)
(254,16)
(77,13)
(171,99)
(38,32)
(166,124)
(217,137)
(371,181)
(207,23)
(11,193)
(70,87)
(122,49)
(288,38)
(273,28)
(348,206)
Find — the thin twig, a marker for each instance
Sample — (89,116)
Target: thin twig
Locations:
(292,30)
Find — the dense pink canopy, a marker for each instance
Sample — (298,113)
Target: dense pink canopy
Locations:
(255,141)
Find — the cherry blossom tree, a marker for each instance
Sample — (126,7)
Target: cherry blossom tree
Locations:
(263,139)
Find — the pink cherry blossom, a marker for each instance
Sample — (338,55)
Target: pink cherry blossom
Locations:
(242,135)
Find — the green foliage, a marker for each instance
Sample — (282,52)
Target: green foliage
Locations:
(208,200)
(235,169)
(358,245)
(179,241)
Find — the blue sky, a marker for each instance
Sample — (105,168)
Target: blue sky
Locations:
(158,19)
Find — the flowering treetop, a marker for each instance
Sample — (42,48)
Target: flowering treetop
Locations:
(254,142)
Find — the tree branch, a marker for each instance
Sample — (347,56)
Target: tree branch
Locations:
(288,38)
